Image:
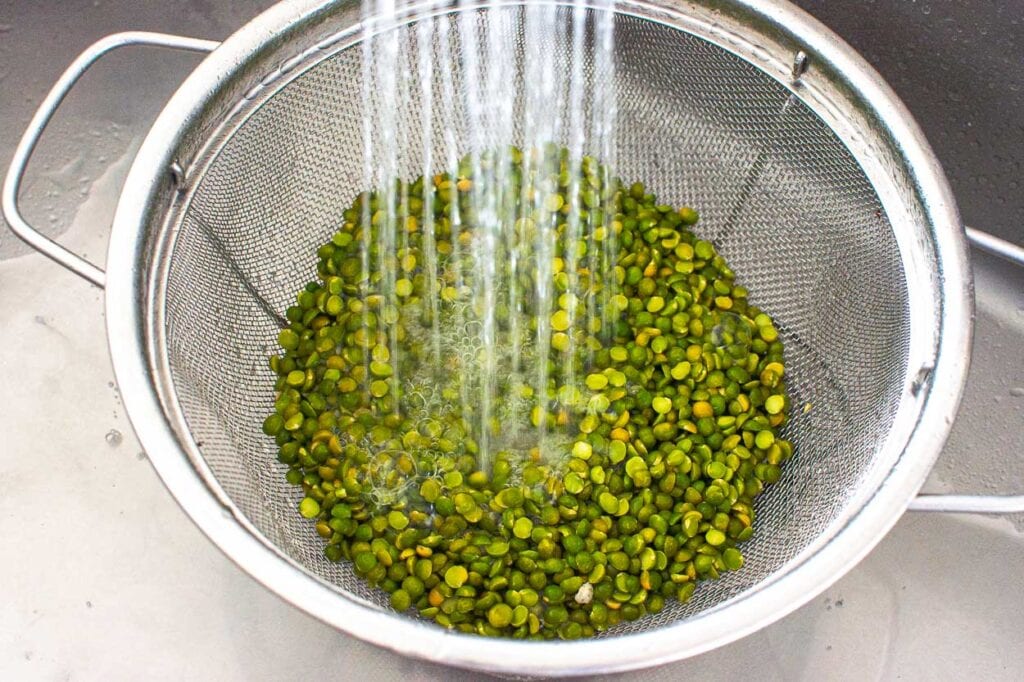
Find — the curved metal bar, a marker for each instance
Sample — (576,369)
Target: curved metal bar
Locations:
(23,153)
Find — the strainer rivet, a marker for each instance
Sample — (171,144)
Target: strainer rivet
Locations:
(177,176)
(923,375)
(800,64)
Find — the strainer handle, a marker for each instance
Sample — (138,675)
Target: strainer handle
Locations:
(995,245)
(978,504)
(23,153)
(969,504)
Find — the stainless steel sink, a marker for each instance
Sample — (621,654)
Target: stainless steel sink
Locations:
(104,578)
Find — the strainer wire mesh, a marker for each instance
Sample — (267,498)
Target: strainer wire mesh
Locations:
(780,194)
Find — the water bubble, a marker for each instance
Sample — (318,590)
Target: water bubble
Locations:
(731,328)
(113,438)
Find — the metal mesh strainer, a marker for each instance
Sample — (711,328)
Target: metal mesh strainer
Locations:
(817,189)
(809,238)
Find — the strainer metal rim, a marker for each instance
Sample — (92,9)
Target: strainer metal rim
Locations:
(143,385)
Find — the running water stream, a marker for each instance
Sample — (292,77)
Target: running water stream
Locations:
(493,98)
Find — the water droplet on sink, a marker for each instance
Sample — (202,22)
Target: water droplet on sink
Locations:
(1017,391)
(113,438)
